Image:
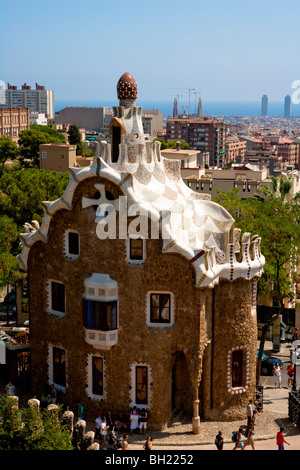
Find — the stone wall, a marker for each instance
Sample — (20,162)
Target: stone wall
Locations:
(196,320)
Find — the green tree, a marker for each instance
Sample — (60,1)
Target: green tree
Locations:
(74,138)
(32,428)
(172,144)
(22,193)
(276,219)
(30,141)
(9,271)
(8,151)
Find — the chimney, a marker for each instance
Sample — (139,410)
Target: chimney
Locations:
(177,146)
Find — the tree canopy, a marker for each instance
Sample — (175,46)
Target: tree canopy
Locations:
(8,151)
(275,218)
(171,144)
(21,195)
(31,139)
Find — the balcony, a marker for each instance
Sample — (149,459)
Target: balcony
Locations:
(101,339)
(100,311)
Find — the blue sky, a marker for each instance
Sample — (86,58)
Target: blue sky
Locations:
(224,49)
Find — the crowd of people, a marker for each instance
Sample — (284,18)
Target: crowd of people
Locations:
(245,435)
(105,426)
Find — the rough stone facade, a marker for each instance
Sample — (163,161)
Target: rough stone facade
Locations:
(203,358)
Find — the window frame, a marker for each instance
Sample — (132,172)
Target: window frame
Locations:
(149,384)
(66,250)
(160,323)
(90,390)
(160,308)
(133,260)
(88,303)
(143,383)
(53,310)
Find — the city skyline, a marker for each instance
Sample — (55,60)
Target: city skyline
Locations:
(220,51)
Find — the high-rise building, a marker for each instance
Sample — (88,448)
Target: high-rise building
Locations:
(287,106)
(39,100)
(264,105)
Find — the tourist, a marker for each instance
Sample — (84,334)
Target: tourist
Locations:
(280,439)
(110,420)
(290,373)
(250,412)
(143,421)
(148,443)
(120,423)
(249,436)
(134,419)
(256,412)
(219,441)
(295,335)
(238,441)
(97,426)
(79,412)
(104,427)
(277,375)
(125,445)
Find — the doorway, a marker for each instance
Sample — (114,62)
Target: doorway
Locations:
(182,391)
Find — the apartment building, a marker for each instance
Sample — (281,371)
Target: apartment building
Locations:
(204,134)
(152,120)
(13,121)
(38,100)
(235,150)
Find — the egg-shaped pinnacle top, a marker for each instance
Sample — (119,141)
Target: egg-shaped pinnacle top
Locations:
(127,87)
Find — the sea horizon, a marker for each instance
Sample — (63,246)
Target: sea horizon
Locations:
(209,108)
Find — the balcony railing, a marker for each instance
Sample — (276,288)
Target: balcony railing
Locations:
(101,339)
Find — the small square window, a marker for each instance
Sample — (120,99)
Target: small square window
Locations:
(136,249)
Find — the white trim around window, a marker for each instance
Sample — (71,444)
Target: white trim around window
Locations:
(89,388)
(133,390)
